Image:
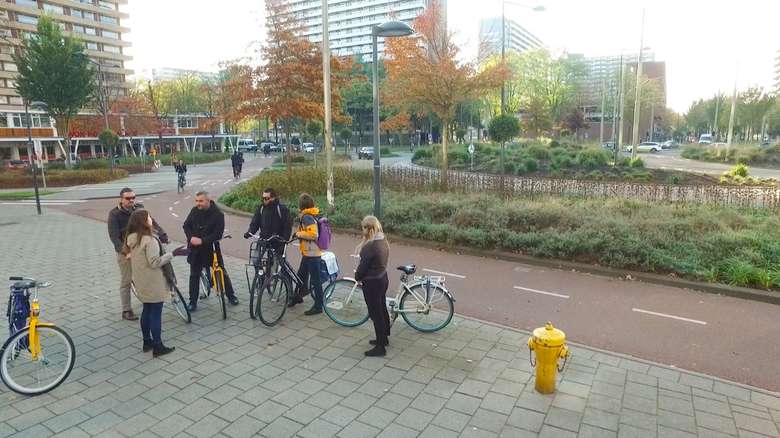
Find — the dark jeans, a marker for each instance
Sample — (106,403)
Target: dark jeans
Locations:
(374,292)
(151,323)
(196,267)
(310,269)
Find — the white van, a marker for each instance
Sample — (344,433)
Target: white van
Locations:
(705,139)
(246,145)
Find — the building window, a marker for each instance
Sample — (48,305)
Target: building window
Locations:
(26,19)
(53,9)
(13,100)
(107,5)
(91,46)
(109,34)
(78,29)
(27,3)
(188,122)
(90,30)
(10,66)
(3,116)
(82,14)
(109,20)
(38,120)
(111,49)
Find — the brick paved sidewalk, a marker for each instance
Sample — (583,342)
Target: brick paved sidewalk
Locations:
(308,377)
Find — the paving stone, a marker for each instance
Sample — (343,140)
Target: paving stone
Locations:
(563,419)
(569,402)
(433,431)
(697,381)
(534,401)
(627,431)
(716,423)
(377,417)
(451,420)
(464,403)
(676,420)
(640,404)
(429,403)
(677,405)
(474,388)
(711,406)
(638,419)
(588,431)
(498,402)
(281,428)
(554,432)
(100,423)
(358,401)
(488,420)
(758,425)
(664,432)
(526,419)
(65,421)
(601,419)
(414,419)
(319,429)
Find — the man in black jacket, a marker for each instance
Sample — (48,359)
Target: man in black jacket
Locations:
(117,225)
(271,218)
(204,228)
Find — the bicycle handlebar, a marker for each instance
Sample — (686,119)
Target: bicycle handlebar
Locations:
(257,238)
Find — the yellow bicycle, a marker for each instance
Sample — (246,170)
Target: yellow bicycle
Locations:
(38,356)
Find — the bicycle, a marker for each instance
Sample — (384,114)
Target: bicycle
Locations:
(213,278)
(345,305)
(37,356)
(181,183)
(269,291)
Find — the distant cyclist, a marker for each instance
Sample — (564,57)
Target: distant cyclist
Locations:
(181,173)
(236,160)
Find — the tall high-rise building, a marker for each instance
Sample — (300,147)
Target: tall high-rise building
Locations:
(604,72)
(170,74)
(97,22)
(350,22)
(516,37)
(777,71)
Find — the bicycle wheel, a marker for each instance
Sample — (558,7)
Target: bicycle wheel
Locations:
(179,305)
(345,304)
(220,292)
(413,308)
(254,293)
(53,365)
(205,284)
(272,300)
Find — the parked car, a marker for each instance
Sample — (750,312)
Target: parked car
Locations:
(273,147)
(705,139)
(610,146)
(670,144)
(308,147)
(16,164)
(246,145)
(647,146)
(366,152)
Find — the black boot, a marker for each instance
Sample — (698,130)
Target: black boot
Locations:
(193,306)
(162,350)
(313,311)
(377,351)
(373,342)
(148,346)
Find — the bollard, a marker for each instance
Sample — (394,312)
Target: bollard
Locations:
(549,345)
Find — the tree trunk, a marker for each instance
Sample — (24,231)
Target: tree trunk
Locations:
(64,123)
(289,151)
(444,166)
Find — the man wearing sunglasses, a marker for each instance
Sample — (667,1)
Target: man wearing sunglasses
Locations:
(117,225)
(271,218)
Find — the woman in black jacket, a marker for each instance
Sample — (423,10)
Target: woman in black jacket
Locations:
(372,272)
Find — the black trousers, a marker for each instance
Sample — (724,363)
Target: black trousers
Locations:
(196,267)
(374,292)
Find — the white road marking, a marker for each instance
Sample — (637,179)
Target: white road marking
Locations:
(187,197)
(227,182)
(664,315)
(170,208)
(541,292)
(176,203)
(213,184)
(448,274)
(205,182)
(174,214)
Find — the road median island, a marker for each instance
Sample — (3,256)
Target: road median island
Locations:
(728,247)
(60,178)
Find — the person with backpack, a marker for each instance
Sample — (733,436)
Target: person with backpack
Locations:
(271,218)
(311,254)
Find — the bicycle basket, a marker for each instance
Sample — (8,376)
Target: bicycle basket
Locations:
(256,255)
(329,267)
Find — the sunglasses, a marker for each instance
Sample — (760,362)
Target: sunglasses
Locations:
(132,198)
(267,198)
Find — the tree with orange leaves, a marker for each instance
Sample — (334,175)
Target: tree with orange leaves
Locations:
(425,72)
(289,85)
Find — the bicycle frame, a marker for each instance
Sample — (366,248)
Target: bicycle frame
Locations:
(217,272)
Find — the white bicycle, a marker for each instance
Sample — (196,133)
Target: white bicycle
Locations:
(424,303)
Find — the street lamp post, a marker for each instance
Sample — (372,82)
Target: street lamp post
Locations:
(102,97)
(387,29)
(635,131)
(31,148)
(503,42)
(326,89)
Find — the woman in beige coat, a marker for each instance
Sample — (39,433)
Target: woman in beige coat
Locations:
(147,259)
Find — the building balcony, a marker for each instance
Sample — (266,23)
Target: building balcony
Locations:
(61,18)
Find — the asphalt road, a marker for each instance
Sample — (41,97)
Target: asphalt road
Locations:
(721,336)
(671,160)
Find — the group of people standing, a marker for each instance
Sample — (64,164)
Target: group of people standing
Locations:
(138,241)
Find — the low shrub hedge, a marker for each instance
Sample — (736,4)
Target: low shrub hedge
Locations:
(60,178)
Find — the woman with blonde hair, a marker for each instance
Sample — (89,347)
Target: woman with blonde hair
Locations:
(372,272)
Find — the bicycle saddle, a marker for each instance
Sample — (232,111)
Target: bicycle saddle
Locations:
(23,285)
(407,269)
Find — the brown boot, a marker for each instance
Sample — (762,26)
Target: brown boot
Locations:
(129,316)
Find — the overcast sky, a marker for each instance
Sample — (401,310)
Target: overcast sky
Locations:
(706,44)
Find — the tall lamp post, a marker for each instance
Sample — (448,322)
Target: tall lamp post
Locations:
(387,29)
(327,98)
(503,41)
(31,147)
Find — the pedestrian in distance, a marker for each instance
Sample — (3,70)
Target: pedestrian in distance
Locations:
(147,259)
(372,272)
(271,218)
(311,255)
(118,218)
(204,228)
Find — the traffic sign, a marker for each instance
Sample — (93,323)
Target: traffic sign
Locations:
(471,148)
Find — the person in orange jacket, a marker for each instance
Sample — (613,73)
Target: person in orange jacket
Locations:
(311,255)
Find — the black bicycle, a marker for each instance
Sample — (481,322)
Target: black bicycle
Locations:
(270,291)
(181,183)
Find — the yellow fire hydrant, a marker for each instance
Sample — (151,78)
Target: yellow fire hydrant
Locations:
(548,343)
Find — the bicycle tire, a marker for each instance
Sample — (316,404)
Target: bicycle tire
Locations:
(179,305)
(9,350)
(274,294)
(254,290)
(345,304)
(438,297)
(205,284)
(220,292)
